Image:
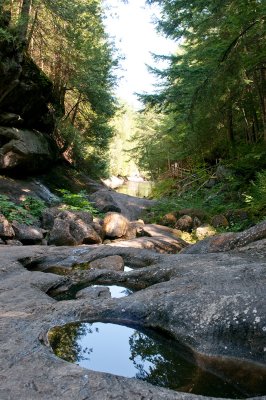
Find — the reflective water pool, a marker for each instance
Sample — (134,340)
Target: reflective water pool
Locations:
(129,352)
(116,291)
(136,189)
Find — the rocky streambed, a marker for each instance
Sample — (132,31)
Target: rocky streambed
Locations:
(212,306)
(206,304)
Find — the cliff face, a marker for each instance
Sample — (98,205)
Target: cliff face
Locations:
(27,113)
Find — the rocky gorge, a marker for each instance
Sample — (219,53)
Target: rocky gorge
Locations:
(207,300)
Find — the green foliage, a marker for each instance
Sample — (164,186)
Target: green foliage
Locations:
(151,149)
(124,125)
(34,206)
(83,77)
(5,35)
(67,40)
(212,97)
(27,212)
(164,187)
(257,197)
(244,202)
(64,341)
(77,201)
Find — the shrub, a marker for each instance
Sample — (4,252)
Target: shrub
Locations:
(256,199)
(77,201)
(27,212)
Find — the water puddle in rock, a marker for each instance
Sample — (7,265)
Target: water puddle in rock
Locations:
(127,269)
(70,294)
(129,352)
(116,291)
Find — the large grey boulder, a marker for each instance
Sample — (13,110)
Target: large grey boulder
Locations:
(17,189)
(115,263)
(50,214)
(60,234)
(70,228)
(24,149)
(129,206)
(28,234)
(158,244)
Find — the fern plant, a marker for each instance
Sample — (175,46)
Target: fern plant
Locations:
(27,212)
(77,201)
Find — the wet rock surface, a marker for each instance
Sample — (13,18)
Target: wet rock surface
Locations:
(213,304)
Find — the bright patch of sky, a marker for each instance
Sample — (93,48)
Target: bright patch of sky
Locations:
(131,25)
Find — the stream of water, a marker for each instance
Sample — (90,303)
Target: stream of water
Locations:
(136,189)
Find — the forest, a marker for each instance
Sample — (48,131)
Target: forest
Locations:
(209,108)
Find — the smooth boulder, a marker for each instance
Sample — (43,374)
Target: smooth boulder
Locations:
(70,228)
(115,225)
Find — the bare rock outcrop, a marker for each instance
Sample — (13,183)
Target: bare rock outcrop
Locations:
(212,305)
(115,263)
(24,149)
(131,207)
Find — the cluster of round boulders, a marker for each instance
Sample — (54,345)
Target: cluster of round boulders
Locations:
(196,222)
(60,227)
(17,234)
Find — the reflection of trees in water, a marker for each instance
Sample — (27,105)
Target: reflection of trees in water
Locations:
(64,341)
(158,362)
(167,366)
(164,368)
(127,292)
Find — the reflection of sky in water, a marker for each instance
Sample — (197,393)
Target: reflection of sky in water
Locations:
(120,350)
(117,291)
(111,351)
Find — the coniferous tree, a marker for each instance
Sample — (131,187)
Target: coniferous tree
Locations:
(215,84)
(67,40)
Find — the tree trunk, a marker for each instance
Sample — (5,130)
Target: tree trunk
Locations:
(260,81)
(24,20)
(75,110)
(230,128)
(263,100)
(34,23)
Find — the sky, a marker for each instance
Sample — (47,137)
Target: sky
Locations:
(136,38)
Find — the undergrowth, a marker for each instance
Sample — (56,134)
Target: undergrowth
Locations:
(233,193)
(77,201)
(28,211)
